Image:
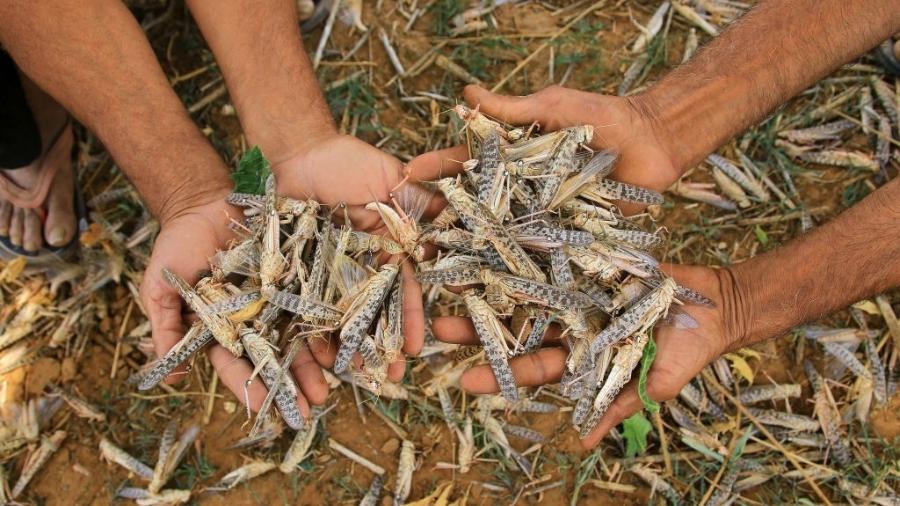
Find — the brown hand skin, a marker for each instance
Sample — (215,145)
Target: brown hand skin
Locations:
(621,124)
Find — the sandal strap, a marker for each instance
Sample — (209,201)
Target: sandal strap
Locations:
(34,197)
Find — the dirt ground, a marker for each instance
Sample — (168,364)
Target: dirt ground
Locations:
(592,55)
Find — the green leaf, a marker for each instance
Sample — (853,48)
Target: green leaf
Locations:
(635,430)
(739,447)
(761,235)
(252,171)
(702,448)
(646,361)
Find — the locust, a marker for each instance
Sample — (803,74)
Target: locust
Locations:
(562,162)
(623,364)
(496,339)
(262,355)
(361,313)
(637,319)
(223,330)
(520,289)
(481,222)
(405,470)
(299,448)
(402,219)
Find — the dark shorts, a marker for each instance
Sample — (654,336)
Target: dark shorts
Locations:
(20,139)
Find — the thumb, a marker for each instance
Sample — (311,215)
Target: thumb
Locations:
(511,109)
(163,306)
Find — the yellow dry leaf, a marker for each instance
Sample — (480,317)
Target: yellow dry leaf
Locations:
(445,495)
(431,498)
(740,366)
(749,352)
(12,270)
(92,235)
(248,312)
(867,306)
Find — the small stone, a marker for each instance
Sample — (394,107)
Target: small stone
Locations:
(722,245)
(390,446)
(227,110)
(229,406)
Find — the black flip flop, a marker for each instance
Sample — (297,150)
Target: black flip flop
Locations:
(887,57)
(49,255)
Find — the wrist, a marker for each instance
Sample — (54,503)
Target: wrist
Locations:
(188,196)
(736,308)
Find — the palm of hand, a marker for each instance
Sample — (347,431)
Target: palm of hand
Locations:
(184,245)
(343,170)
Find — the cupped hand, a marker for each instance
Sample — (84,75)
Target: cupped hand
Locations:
(185,244)
(341,170)
(681,353)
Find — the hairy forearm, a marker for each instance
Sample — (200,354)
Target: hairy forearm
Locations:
(774,52)
(854,256)
(274,89)
(94,59)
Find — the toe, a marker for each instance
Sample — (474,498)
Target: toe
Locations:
(15,226)
(60,225)
(6,210)
(31,232)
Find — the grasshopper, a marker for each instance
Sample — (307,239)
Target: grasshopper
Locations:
(495,339)
(362,311)
(481,222)
(221,328)
(638,319)
(402,219)
(299,448)
(562,162)
(623,364)
(405,469)
(261,353)
(514,287)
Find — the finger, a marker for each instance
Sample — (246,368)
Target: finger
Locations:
(396,369)
(539,368)
(163,307)
(309,376)
(435,205)
(413,310)
(459,330)
(438,164)
(626,404)
(234,373)
(324,349)
(454,329)
(510,109)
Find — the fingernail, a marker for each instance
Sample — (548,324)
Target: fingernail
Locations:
(32,246)
(57,236)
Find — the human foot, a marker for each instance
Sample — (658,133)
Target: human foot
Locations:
(52,223)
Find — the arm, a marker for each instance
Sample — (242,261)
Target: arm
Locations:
(275,91)
(93,58)
(677,123)
(775,51)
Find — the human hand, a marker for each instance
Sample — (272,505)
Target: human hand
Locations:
(681,353)
(343,170)
(186,242)
(623,124)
